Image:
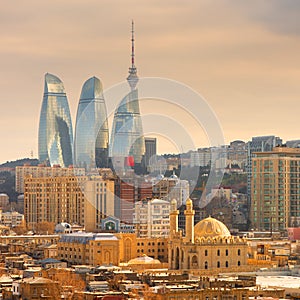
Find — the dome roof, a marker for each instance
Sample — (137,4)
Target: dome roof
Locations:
(143,260)
(211,227)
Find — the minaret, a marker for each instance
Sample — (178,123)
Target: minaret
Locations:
(189,221)
(173,218)
(132,77)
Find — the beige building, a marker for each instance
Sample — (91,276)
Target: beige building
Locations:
(83,200)
(275,193)
(89,248)
(4,200)
(12,218)
(42,171)
(206,246)
(152,218)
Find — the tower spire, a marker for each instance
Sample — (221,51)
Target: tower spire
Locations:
(132,77)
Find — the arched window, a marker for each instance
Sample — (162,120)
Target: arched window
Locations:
(226,264)
(206,265)
(226,252)
(205,252)
(239,263)
(239,252)
(218,252)
(218,264)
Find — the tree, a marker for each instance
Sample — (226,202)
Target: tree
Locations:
(44,227)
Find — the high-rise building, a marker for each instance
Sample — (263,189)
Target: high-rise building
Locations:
(275,190)
(43,171)
(150,151)
(55,128)
(127,145)
(84,200)
(91,131)
(258,144)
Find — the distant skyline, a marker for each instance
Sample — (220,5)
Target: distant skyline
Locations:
(242,57)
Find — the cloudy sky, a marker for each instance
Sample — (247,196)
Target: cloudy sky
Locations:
(243,57)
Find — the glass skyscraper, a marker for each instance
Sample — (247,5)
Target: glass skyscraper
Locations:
(55,127)
(91,131)
(127,141)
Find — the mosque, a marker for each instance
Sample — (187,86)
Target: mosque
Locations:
(207,245)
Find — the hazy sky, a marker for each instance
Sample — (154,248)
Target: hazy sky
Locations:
(242,56)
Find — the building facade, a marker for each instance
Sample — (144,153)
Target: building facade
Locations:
(207,245)
(152,218)
(258,144)
(83,200)
(12,219)
(55,128)
(91,131)
(43,171)
(275,190)
(168,188)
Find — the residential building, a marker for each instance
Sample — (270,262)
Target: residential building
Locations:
(168,188)
(258,144)
(151,218)
(55,141)
(12,219)
(43,171)
(4,200)
(275,189)
(84,200)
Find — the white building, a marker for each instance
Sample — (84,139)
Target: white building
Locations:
(12,218)
(152,218)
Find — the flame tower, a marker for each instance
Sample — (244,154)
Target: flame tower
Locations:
(55,128)
(127,146)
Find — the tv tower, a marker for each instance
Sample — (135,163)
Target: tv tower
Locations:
(132,77)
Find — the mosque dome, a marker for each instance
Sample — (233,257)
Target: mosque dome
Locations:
(211,227)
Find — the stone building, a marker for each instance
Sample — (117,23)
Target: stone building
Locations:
(207,245)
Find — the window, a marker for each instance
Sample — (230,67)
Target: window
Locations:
(218,252)
(226,252)
(239,252)
(205,252)
(226,264)
(218,264)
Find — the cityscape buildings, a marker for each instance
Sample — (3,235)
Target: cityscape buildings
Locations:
(151,218)
(84,200)
(55,128)
(275,192)
(127,144)
(91,131)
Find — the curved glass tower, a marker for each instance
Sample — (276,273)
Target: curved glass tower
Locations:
(91,131)
(55,128)
(127,139)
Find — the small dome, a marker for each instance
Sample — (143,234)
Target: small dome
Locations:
(211,227)
(143,260)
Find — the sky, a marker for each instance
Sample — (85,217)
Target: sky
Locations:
(243,57)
